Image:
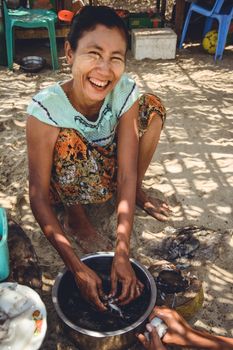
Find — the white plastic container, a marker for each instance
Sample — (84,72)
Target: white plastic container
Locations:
(154,43)
(160,327)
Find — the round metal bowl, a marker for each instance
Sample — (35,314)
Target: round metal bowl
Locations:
(32,64)
(88,339)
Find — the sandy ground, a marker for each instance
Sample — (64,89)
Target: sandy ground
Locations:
(192,168)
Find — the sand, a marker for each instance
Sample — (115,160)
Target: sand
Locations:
(192,168)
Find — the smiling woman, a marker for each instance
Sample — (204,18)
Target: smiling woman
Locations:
(83,146)
(97,65)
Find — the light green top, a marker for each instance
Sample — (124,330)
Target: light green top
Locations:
(52,106)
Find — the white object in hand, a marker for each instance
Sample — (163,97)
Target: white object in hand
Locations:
(159,325)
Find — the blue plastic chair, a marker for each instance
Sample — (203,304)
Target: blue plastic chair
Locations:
(218,11)
(29,18)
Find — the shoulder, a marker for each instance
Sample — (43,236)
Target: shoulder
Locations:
(46,104)
(45,95)
(124,94)
(126,85)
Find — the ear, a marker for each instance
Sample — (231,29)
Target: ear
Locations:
(69,53)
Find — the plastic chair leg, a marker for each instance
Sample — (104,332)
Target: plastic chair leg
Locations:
(224,24)
(9,46)
(53,45)
(208,25)
(185,28)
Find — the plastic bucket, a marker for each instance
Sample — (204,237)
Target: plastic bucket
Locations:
(4,252)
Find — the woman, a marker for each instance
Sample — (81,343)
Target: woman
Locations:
(83,145)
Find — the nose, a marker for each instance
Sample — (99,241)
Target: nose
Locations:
(104,65)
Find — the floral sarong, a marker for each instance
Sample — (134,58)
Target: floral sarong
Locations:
(87,173)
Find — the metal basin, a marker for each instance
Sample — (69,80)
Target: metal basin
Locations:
(90,339)
(32,64)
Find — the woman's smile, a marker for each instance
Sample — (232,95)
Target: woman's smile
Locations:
(99,84)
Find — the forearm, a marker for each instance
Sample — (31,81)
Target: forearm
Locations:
(200,339)
(125,213)
(51,227)
(208,341)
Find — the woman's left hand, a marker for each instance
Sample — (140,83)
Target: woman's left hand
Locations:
(123,272)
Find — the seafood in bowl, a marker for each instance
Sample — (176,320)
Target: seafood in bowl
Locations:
(111,330)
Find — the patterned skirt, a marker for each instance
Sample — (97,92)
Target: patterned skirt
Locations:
(85,173)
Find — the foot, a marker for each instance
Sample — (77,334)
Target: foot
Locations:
(85,235)
(153,206)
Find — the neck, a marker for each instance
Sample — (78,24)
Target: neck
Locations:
(88,109)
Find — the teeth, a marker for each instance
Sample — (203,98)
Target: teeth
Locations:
(98,82)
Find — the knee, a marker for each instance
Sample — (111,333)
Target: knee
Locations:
(151,112)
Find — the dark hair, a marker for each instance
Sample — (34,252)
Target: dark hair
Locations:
(89,17)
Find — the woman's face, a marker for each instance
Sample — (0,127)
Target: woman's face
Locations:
(97,63)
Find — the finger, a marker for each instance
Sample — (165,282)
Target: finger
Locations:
(113,285)
(140,284)
(134,292)
(169,210)
(137,291)
(161,217)
(99,305)
(125,292)
(165,205)
(166,211)
(143,340)
(157,344)
(153,332)
(100,289)
(155,341)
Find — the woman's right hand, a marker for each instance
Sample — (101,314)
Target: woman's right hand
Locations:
(178,329)
(90,286)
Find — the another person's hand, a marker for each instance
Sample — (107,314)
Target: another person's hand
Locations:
(180,333)
(178,328)
(123,272)
(90,286)
(154,342)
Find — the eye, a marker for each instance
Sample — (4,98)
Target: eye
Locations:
(117,59)
(94,54)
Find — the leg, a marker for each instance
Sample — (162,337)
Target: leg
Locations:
(154,114)
(81,175)
(77,224)
(208,25)
(224,24)
(10,46)
(186,23)
(53,44)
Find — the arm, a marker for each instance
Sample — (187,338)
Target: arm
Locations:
(182,334)
(127,150)
(41,139)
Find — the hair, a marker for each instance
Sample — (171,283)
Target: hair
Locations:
(89,17)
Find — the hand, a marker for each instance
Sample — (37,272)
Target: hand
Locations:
(154,342)
(90,286)
(123,272)
(178,328)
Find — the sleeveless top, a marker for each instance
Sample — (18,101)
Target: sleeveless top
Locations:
(52,106)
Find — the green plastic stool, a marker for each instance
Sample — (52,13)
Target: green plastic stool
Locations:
(4,252)
(29,18)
